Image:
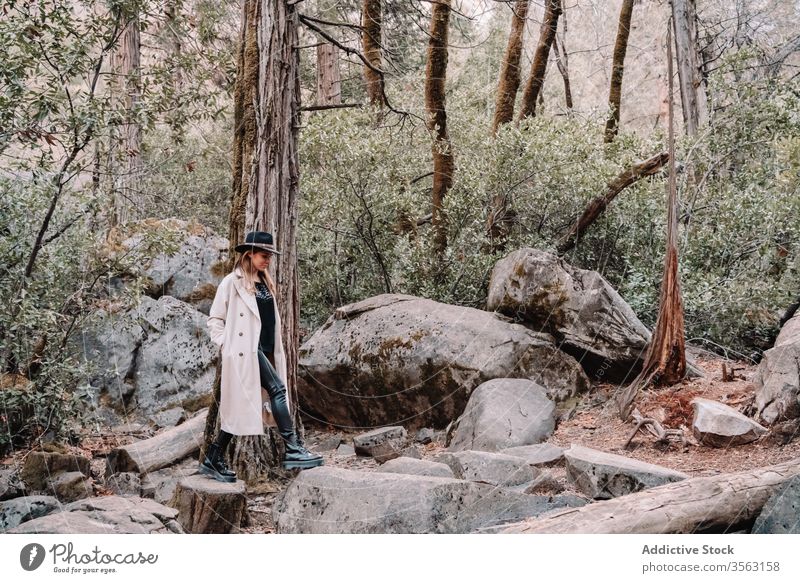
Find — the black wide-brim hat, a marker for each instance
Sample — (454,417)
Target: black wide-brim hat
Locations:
(257,241)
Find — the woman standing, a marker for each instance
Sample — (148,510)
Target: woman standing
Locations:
(245,323)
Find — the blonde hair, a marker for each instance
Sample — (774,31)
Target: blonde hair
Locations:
(245,263)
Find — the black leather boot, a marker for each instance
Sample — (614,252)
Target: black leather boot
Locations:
(214,465)
(297,456)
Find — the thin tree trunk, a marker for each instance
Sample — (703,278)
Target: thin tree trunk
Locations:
(665,359)
(329,79)
(598,206)
(128,155)
(443,162)
(547,33)
(508,85)
(563,68)
(266,178)
(371,43)
(692,84)
(617,69)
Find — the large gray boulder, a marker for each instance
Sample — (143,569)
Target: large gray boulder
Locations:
(718,425)
(105,515)
(777,379)
(540,454)
(588,318)
(504,413)
(402,360)
(334,500)
(781,512)
(18,510)
(153,357)
(605,475)
(192,272)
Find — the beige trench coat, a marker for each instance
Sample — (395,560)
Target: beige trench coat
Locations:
(235,325)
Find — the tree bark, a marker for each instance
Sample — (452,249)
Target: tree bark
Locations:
(547,33)
(206,506)
(665,359)
(617,69)
(508,85)
(598,206)
(562,61)
(725,503)
(443,161)
(690,77)
(371,43)
(266,180)
(329,79)
(128,163)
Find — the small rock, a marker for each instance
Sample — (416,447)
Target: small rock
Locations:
(125,484)
(424,435)
(129,428)
(718,425)
(71,486)
(10,486)
(329,443)
(345,449)
(41,466)
(411,451)
(170,417)
(383,444)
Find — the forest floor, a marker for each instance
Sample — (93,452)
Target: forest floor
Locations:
(593,424)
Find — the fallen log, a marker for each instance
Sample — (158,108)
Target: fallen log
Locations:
(706,503)
(159,451)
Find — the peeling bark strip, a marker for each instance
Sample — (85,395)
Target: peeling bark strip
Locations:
(508,85)
(371,43)
(617,69)
(547,33)
(723,502)
(599,204)
(435,76)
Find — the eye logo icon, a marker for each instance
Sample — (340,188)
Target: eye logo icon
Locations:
(31,556)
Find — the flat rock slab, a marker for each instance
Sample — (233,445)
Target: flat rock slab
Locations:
(603,475)
(334,500)
(717,425)
(417,467)
(105,515)
(402,360)
(489,467)
(539,454)
(504,413)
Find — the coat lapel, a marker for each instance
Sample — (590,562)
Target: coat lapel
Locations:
(247,298)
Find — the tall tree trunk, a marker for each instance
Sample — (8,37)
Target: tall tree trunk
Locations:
(547,33)
(127,157)
(692,84)
(329,79)
(443,163)
(665,359)
(371,43)
(562,61)
(266,177)
(617,69)
(508,85)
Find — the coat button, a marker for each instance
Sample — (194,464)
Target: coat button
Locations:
(241,333)
(241,354)
(241,313)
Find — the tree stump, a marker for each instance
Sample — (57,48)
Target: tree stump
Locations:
(206,506)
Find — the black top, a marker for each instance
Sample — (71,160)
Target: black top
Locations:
(266,309)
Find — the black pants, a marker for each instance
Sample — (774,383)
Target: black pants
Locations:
(276,390)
